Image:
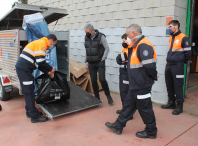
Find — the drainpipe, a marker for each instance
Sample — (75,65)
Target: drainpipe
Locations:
(188,24)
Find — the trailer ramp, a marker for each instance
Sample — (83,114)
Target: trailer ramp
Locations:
(79,100)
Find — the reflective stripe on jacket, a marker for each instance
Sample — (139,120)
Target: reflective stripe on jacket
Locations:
(123,57)
(179,48)
(33,56)
(142,64)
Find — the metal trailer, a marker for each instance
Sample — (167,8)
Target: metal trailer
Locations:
(13,40)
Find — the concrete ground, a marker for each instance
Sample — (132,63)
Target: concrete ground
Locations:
(86,128)
(193,79)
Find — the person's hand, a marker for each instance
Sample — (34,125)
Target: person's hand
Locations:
(52,75)
(86,64)
(157,76)
(53,69)
(102,60)
(125,61)
(49,73)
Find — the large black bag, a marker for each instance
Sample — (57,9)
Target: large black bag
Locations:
(50,90)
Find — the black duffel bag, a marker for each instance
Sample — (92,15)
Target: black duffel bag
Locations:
(50,90)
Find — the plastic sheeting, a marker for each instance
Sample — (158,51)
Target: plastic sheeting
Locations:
(36,28)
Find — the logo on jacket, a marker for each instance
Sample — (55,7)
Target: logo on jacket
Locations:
(134,54)
(186,43)
(177,41)
(43,48)
(145,53)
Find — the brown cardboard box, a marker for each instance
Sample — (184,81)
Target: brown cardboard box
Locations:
(80,80)
(77,69)
(84,84)
(89,85)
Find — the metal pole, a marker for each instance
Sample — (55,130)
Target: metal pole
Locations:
(189,28)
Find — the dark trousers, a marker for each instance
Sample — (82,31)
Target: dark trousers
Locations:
(100,68)
(137,99)
(124,87)
(174,76)
(27,83)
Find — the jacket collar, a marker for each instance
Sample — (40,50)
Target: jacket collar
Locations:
(96,32)
(138,41)
(46,41)
(177,33)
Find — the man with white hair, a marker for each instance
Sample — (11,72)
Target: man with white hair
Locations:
(142,72)
(97,50)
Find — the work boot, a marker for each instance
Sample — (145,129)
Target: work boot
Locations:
(119,111)
(28,116)
(179,109)
(169,105)
(40,119)
(131,118)
(112,127)
(110,100)
(143,134)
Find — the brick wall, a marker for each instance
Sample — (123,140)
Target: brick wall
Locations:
(112,17)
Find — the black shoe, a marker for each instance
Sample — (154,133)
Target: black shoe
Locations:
(169,105)
(40,119)
(143,134)
(28,116)
(0,108)
(179,109)
(119,111)
(112,127)
(131,118)
(110,100)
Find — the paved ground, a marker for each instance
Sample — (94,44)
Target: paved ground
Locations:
(193,79)
(86,128)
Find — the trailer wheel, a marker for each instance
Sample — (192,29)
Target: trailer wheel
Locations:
(4,96)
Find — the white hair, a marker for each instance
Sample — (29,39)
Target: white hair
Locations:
(135,27)
(89,26)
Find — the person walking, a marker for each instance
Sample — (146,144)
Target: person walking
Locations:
(142,73)
(97,50)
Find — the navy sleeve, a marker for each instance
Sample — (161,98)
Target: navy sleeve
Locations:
(187,49)
(119,59)
(145,55)
(40,60)
(43,70)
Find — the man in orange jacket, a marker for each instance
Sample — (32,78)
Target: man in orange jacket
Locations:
(142,73)
(179,53)
(122,60)
(32,57)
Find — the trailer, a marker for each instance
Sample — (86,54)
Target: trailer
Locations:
(13,39)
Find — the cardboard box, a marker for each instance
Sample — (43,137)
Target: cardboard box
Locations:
(84,84)
(89,85)
(77,69)
(80,80)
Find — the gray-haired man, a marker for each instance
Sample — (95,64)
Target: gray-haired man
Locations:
(97,50)
(142,73)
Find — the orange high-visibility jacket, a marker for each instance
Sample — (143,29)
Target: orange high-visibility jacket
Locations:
(141,65)
(33,56)
(179,48)
(123,57)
